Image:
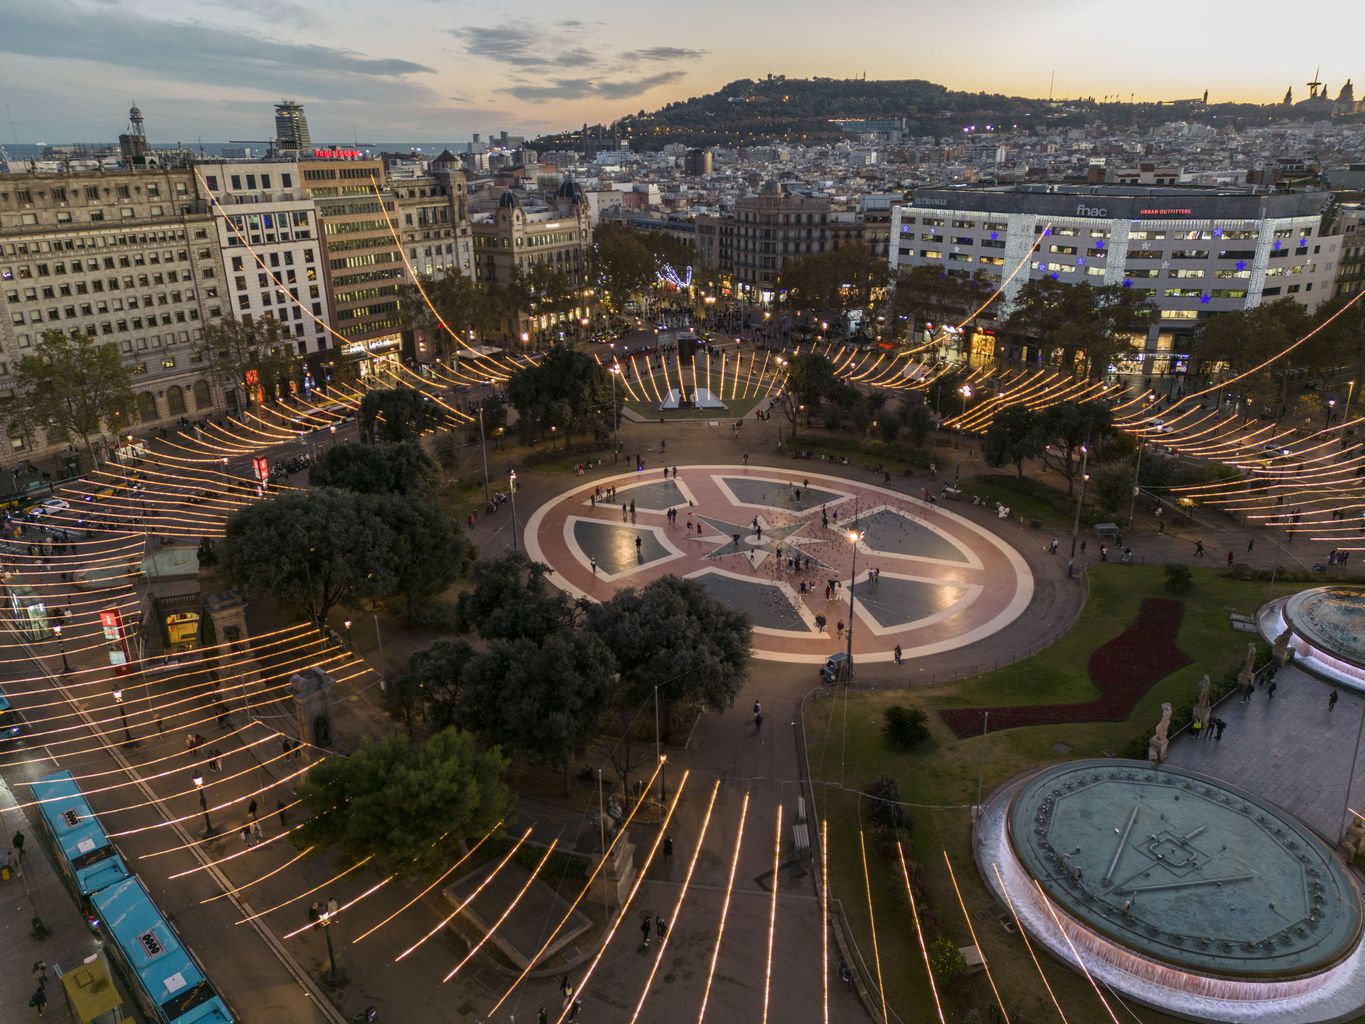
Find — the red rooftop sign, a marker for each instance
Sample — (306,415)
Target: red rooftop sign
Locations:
(337,154)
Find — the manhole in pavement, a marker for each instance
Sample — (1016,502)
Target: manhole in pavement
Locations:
(1062,748)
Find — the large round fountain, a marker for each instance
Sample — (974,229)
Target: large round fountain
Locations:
(1177,890)
(1325,628)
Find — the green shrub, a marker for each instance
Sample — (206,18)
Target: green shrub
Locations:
(1179,579)
(904,728)
(888,822)
(944,958)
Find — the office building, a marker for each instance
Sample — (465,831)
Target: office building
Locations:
(1194,252)
(433,216)
(268,231)
(129,257)
(698,163)
(363,270)
(291,128)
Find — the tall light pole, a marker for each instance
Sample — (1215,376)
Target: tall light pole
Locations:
(1137,482)
(966,392)
(325,916)
(615,413)
(854,536)
(61,646)
(203,803)
(1080,499)
(483,447)
(123,713)
(346,624)
(512,491)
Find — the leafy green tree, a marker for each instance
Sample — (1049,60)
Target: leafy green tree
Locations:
(925,294)
(539,699)
(1111,486)
(563,376)
(430,688)
(394,415)
(1064,428)
(625,266)
(73,386)
(915,419)
(888,822)
(810,379)
(1014,436)
(409,806)
(904,728)
(847,277)
(511,600)
(310,550)
(375,469)
(674,635)
(1086,325)
(250,357)
(459,302)
(427,550)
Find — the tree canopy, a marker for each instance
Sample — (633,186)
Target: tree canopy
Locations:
(1015,435)
(1087,326)
(73,386)
(849,276)
(251,355)
(674,635)
(1065,428)
(625,266)
(409,806)
(539,699)
(566,389)
(460,303)
(511,600)
(394,415)
(403,468)
(317,548)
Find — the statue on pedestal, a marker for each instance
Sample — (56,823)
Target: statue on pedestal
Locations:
(1202,710)
(1281,648)
(1158,744)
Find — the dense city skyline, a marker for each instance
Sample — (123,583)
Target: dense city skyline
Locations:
(423,70)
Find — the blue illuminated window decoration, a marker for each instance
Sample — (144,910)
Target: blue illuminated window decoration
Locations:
(1099,244)
(1127,282)
(1204,298)
(1217,232)
(1046,232)
(1241,264)
(1054,275)
(1277,243)
(995,234)
(1080,261)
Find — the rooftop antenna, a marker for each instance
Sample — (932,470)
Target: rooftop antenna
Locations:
(1050,82)
(1315,85)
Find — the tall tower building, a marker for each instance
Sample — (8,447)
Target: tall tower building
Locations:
(291,127)
(133,143)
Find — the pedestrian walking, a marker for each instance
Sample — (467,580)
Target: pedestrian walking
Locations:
(18,843)
(660,927)
(638,543)
(565,989)
(593,563)
(542,1017)
(898,654)
(573,1010)
(1218,726)
(644,931)
(1229,559)
(251,808)
(283,813)
(758,721)
(1270,690)
(39,1000)
(668,849)
(40,973)
(1199,549)
(255,827)
(1052,548)
(1332,700)
(1251,544)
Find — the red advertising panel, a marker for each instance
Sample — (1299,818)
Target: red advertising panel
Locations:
(261,465)
(111,622)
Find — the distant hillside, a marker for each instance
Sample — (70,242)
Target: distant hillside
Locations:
(802,109)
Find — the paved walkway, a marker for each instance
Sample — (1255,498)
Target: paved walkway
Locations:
(1290,750)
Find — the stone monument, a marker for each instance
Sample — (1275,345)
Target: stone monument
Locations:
(1202,709)
(613,881)
(312,693)
(1281,649)
(1159,744)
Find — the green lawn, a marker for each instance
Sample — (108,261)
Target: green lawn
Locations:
(846,750)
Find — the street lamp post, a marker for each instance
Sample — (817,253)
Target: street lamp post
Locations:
(203,803)
(1137,483)
(346,624)
(615,414)
(512,491)
(325,916)
(854,536)
(483,447)
(1080,499)
(61,646)
(123,713)
(966,392)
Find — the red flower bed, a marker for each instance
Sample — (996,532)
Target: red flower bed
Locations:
(1123,670)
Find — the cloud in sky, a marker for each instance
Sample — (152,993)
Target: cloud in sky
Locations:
(664,53)
(197,52)
(583,88)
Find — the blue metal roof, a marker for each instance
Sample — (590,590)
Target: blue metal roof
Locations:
(87,851)
(153,951)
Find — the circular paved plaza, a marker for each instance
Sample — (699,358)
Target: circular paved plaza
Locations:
(776,545)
